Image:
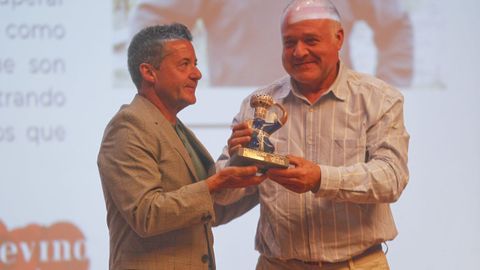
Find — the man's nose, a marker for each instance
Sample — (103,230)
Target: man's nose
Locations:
(196,74)
(300,50)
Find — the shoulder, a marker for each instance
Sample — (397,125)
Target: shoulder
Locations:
(127,116)
(371,87)
(134,121)
(277,89)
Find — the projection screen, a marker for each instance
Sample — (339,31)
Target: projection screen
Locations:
(63,76)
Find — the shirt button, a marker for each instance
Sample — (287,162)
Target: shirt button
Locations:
(205,258)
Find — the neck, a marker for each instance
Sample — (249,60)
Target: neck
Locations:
(311,93)
(167,112)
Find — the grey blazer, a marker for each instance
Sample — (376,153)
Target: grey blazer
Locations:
(159,214)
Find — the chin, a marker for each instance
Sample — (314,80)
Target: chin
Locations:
(191,101)
(305,78)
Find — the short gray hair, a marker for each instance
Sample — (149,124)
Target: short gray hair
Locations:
(147,46)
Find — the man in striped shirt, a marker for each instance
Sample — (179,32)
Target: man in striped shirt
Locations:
(347,145)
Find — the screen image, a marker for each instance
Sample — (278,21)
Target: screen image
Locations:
(63,75)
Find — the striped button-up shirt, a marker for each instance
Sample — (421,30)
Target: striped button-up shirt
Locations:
(355,133)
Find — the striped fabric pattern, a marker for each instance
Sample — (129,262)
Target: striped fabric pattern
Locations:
(355,133)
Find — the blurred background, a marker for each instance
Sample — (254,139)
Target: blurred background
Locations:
(63,76)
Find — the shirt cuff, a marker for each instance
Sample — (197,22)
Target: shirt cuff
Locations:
(331,178)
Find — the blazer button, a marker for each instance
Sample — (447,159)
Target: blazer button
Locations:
(205,258)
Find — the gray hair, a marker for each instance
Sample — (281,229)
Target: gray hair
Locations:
(147,46)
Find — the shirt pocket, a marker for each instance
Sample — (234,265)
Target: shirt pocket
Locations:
(287,146)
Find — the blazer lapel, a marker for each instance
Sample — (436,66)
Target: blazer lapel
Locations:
(201,151)
(167,129)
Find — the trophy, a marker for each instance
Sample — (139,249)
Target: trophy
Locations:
(260,150)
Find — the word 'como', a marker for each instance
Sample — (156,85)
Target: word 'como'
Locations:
(25,31)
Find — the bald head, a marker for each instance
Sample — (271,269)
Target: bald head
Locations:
(300,10)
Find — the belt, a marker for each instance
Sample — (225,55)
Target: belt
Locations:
(367,252)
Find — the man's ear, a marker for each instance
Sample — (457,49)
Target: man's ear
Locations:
(147,73)
(339,36)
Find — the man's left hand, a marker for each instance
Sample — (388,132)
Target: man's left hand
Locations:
(304,176)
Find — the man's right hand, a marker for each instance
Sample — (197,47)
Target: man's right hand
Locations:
(241,135)
(234,177)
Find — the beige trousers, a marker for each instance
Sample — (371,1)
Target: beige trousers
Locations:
(372,261)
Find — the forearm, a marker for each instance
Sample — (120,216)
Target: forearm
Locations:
(242,204)
(378,181)
(147,182)
(161,212)
(383,175)
(232,195)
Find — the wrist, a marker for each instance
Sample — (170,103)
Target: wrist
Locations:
(211,184)
(316,187)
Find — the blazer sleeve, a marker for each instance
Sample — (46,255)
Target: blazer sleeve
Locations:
(226,213)
(147,180)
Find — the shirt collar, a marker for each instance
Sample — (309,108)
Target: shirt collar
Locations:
(339,86)
(280,88)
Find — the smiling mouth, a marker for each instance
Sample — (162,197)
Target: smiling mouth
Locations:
(302,64)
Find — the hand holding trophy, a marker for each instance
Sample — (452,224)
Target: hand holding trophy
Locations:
(260,150)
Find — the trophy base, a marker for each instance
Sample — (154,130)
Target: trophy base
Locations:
(263,160)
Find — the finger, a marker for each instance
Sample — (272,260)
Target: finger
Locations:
(233,142)
(240,126)
(298,186)
(282,180)
(233,150)
(240,137)
(244,171)
(261,177)
(292,183)
(238,182)
(286,173)
(254,180)
(295,160)
(242,133)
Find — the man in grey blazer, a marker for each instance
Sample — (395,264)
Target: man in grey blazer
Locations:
(157,178)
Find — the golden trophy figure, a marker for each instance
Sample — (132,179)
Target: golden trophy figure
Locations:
(260,150)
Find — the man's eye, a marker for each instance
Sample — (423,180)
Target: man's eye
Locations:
(289,43)
(311,41)
(184,64)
